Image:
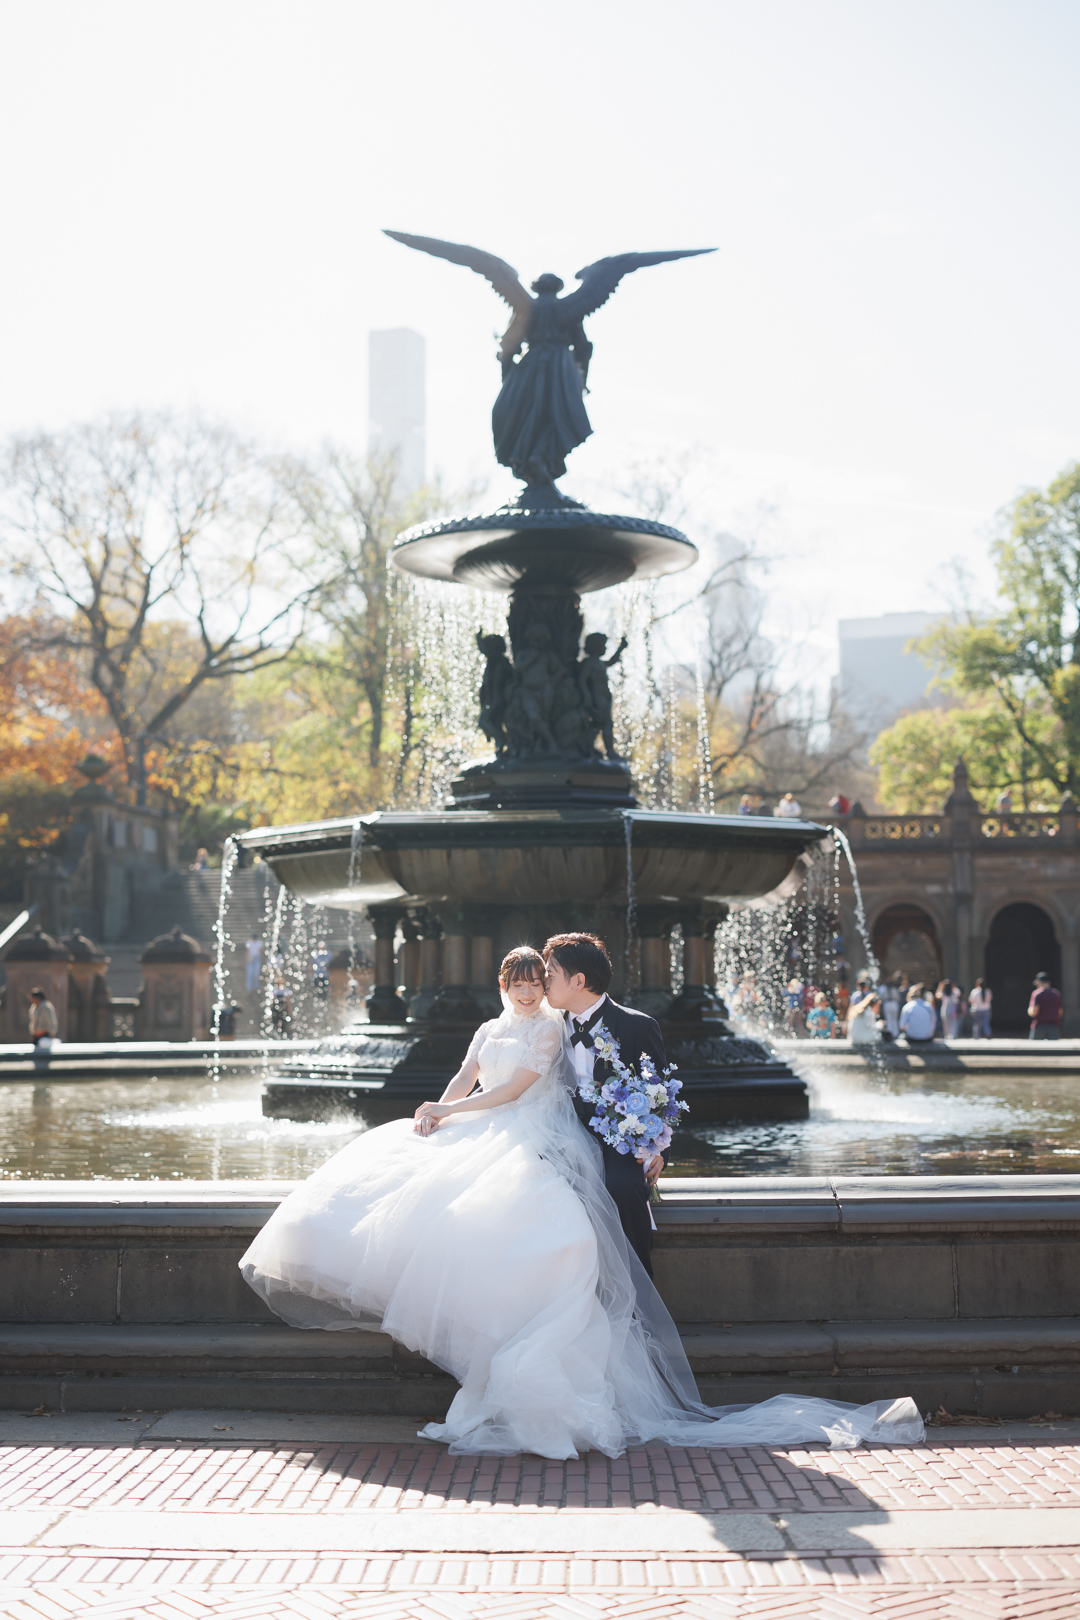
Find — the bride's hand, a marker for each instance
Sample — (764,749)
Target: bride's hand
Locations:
(427,1117)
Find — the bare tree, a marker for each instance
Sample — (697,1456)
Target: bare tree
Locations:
(125,524)
(351,509)
(769,730)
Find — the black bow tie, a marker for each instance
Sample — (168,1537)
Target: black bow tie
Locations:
(580,1035)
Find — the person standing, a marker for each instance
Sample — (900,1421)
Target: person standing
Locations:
(821,1019)
(890,1005)
(576,978)
(981,1001)
(952,1012)
(789,808)
(43,1026)
(1045,1009)
(253,958)
(793,1008)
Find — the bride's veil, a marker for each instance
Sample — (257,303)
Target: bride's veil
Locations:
(655,1391)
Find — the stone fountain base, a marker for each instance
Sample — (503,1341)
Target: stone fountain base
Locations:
(449,893)
(381,1072)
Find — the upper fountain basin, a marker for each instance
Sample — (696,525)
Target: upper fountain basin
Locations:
(536,857)
(562,545)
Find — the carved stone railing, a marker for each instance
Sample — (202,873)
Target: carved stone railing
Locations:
(1018,829)
(877,829)
(1023,825)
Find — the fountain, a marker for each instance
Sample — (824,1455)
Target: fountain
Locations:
(546,834)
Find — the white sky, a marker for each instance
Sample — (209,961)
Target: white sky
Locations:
(884,349)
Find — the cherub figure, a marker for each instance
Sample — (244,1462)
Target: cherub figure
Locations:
(495,690)
(536,671)
(595,691)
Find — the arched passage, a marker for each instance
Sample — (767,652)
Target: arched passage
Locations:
(905,940)
(1022,943)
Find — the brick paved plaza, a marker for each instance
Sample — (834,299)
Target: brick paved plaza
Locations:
(231,1514)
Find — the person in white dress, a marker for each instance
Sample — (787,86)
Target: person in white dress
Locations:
(862,1022)
(480,1235)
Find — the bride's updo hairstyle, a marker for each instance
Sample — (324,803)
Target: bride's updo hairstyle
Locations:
(582,953)
(521,963)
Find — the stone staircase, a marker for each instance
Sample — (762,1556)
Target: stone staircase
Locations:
(963,1295)
(191,899)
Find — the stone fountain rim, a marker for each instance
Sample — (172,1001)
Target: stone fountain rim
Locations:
(581,827)
(439,550)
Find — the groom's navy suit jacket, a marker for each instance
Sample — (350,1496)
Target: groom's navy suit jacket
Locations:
(634,1033)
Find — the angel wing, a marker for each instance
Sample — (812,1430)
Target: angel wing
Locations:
(599,280)
(502,276)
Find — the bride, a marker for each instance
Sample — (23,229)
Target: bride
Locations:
(481,1235)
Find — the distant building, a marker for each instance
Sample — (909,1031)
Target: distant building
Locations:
(396,401)
(878,679)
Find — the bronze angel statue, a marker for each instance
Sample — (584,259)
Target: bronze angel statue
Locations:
(539,416)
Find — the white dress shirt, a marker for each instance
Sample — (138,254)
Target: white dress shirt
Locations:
(583,1055)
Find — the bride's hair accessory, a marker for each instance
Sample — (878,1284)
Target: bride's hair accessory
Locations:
(523,962)
(634,1111)
(582,953)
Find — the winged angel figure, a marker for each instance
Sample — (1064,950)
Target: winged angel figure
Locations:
(539,416)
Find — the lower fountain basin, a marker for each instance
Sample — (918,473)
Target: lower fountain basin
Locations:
(537,857)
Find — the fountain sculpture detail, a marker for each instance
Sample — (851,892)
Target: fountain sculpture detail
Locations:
(546,834)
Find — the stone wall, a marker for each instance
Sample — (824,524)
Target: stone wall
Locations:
(991,896)
(964,1294)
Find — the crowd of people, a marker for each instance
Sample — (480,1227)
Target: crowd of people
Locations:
(895,1009)
(787,807)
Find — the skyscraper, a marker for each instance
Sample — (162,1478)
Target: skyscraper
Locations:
(396,413)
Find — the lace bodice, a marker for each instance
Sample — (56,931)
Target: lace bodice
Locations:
(511,1042)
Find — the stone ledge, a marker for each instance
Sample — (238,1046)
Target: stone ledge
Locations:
(713,1348)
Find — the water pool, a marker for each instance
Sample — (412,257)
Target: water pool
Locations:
(876,1124)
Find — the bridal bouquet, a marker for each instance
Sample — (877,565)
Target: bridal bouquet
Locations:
(632,1112)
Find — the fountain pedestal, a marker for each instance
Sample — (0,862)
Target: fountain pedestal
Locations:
(543,837)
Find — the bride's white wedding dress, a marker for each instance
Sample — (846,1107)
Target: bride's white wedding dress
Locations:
(492,1248)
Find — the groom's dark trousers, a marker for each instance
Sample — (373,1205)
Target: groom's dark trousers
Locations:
(624,1177)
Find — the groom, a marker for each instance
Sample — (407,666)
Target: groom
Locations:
(576,982)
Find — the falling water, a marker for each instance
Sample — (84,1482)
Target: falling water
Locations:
(628,833)
(872,964)
(355,843)
(706,791)
(222,943)
(281,900)
(759,948)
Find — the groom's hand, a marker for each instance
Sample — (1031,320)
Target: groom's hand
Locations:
(653,1165)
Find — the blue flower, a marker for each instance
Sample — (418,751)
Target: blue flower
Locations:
(652,1125)
(637,1103)
(621,1146)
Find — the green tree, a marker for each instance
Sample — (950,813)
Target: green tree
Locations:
(1023,664)
(915,757)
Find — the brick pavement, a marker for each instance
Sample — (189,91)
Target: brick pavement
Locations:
(275,1485)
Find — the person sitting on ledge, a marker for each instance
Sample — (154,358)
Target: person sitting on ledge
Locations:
(917,1017)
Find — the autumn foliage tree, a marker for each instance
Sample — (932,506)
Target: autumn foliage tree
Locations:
(115,526)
